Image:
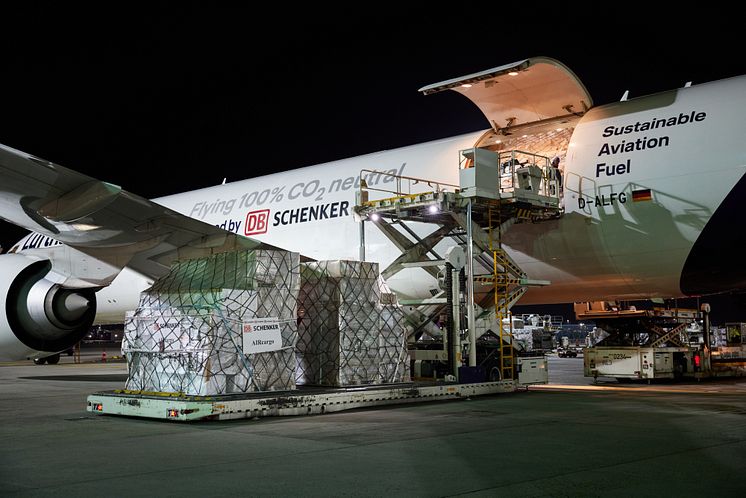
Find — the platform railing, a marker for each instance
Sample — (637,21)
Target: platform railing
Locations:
(510,162)
(403,185)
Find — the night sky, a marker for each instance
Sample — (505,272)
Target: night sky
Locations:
(165,97)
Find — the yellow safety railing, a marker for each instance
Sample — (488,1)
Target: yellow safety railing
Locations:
(403,186)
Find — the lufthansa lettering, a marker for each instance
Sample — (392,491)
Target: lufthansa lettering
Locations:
(37,241)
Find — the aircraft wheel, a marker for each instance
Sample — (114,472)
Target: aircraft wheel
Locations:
(54,359)
(40,361)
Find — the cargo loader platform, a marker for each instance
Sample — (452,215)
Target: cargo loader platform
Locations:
(304,401)
(476,277)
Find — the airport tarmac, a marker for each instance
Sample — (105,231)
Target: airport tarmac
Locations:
(566,439)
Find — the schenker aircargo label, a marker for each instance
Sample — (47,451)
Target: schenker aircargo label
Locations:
(261,335)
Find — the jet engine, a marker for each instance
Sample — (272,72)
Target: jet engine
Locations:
(37,314)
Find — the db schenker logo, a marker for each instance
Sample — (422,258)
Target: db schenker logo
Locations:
(256,222)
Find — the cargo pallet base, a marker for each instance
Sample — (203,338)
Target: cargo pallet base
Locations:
(306,401)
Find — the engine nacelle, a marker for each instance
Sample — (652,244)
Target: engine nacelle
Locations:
(37,314)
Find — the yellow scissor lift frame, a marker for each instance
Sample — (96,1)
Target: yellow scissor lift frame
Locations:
(491,196)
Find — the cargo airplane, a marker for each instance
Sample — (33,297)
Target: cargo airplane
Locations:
(651,188)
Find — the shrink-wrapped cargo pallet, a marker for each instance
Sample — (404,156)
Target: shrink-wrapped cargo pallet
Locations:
(217,325)
(351,331)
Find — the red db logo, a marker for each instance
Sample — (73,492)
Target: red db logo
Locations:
(257,222)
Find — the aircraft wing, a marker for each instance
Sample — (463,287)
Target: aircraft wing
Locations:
(102,220)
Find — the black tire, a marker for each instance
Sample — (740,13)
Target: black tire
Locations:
(40,361)
(54,359)
(494,374)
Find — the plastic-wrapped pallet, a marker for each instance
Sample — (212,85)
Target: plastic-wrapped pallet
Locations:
(393,337)
(187,334)
(351,331)
(532,339)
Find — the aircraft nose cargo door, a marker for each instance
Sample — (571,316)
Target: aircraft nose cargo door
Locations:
(529,91)
(532,106)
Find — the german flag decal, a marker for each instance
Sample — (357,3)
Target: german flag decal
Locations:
(642,195)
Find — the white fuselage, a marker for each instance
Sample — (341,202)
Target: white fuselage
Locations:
(638,192)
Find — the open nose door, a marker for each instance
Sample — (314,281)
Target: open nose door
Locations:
(529,91)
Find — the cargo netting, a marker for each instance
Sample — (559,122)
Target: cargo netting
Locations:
(217,325)
(351,331)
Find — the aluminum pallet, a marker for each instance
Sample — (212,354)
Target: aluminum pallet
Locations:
(297,402)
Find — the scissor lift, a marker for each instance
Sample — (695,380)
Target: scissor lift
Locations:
(495,191)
